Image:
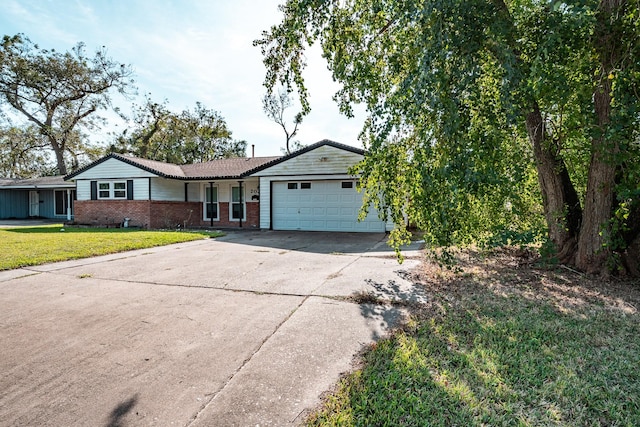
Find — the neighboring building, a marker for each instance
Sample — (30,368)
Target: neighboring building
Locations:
(46,197)
(309,189)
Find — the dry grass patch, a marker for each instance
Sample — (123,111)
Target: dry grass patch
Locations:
(503,341)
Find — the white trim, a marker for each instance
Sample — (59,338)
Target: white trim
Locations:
(112,190)
(68,202)
(34,203)
(203,196)
(243,202)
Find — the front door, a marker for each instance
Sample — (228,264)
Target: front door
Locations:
(34,203)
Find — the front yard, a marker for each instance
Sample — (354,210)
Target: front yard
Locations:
(504,342)
(25,246)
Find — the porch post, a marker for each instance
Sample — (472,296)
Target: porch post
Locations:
(241,205)
(210,200)
(68,205)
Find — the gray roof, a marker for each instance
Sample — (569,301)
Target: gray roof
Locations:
(236,167)
(34,183)
(233,168)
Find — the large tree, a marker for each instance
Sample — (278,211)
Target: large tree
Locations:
(21,153)
(156,133)
(58,92)
(467,97)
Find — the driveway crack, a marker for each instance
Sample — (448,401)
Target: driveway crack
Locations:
(216,393)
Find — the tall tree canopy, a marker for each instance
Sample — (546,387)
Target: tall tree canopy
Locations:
(58,92)
(473,102)
(21,153)
(188,137)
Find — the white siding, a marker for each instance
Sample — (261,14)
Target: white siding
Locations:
(83,190)
(265,203)
(196,190)
(195,194)
(324,160)
(113,169)
(140,188)
(167,189)
(249,189)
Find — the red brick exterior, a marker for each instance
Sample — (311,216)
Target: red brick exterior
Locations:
(158,214)
(174,214)
(111,212)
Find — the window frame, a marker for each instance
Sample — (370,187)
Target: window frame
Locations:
(206,203)
(64,201)
(111,189)
(242,202)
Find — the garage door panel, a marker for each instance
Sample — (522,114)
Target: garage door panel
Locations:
(333,225)
(325,206)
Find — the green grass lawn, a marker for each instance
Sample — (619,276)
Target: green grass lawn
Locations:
(24,246)
(502,344)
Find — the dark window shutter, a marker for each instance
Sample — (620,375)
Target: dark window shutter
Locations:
(129,189)
(94,190)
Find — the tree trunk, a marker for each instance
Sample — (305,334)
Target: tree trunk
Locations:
(59,151)
(560,200)
(593,251)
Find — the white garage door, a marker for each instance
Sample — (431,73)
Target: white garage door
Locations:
(320,206)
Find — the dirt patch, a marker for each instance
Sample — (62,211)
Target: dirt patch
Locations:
(515,271)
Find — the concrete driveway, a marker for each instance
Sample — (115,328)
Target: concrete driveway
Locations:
(244,330)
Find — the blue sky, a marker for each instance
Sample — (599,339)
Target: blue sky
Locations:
(188,51)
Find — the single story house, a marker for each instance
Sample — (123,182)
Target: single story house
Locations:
(309,189)
(46,197)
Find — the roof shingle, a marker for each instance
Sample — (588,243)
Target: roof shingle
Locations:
(237,167)
(41,182)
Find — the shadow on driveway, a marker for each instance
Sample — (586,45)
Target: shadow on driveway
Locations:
(120,411)
(321,242)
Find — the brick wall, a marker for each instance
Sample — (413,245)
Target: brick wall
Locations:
(252,216)
(108,212)
(172,214)
(158,214)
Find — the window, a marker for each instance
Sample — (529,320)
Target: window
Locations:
(104,190)
(210,202)
(347,184)
(61,202)
(119,190)
(294,185)
(112,190)
(237,205)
